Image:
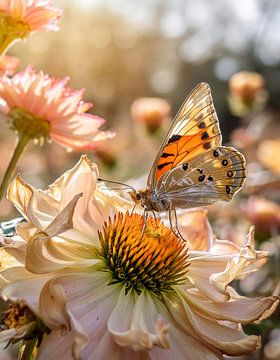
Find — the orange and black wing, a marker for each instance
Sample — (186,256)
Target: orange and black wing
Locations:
(194,130)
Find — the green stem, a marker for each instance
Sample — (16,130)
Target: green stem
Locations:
(27,352)
(22,142)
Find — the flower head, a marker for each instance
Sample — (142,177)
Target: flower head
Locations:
(126,290)
(263,213)
(20,18)
(8,65)
(246,92)
(151,112)
(268,154)
(41,106)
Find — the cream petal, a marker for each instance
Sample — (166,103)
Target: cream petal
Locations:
(80,179)
(25,230)
(229,340)
(202,266)
(46,254)
(11,257)
(135,323)
(90,300)
(27,290)
(57,345)
(211,273)
(13,274)
(184,347)
(195,228)
(244,310)
(108,349)
(52,306)
(185,343)
(237,267)
(20,194)
(63,221)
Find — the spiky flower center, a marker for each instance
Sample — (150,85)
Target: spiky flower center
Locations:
(12,27)
(149,257)
(26,123)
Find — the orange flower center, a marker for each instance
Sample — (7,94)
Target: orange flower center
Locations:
(153,259)
(26,123)
(12,27)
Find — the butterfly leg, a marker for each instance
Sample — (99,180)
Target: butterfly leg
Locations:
(145,216)
(176,231)
(132,211)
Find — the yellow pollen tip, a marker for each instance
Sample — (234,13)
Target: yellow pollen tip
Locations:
(154,259)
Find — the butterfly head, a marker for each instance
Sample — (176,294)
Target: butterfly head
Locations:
(136,196)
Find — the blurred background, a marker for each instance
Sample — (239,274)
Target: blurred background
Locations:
(137,61)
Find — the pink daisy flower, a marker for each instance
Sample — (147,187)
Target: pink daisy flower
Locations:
(20,18)
(8,65)
(41,106)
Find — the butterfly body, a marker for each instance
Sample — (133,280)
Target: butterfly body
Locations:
(151,200)
(192,168)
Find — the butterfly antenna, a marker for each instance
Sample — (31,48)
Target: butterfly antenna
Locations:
(116,182)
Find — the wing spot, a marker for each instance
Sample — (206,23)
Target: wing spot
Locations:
(165,155)
(199,117)
(201,178)
(185,166)
(200,171)
(161,166)
(230,173)
(210,178)
(207,145)
(174,138)
(228,189)
(225,162)
(202,125)
(215,153)
(204,135)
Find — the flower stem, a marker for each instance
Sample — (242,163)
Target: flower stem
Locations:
(28,349)
(22,142)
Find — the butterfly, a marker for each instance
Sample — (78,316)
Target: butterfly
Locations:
(192,168)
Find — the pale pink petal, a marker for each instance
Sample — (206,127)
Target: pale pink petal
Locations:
(195,228)
(135,323)
(228,340)
(32,203)
(27,290)
(243,310)
(57,345)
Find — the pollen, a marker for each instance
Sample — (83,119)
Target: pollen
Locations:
(143,256)
(27,123)
(17,315)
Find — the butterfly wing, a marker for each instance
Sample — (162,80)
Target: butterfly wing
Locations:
(214,175)
(194,130)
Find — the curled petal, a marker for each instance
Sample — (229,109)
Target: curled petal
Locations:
(143,328)
(36,206)
(195,228)
(53,307)
(243,310)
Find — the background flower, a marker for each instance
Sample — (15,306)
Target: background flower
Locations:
(20,18)
(8,65)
